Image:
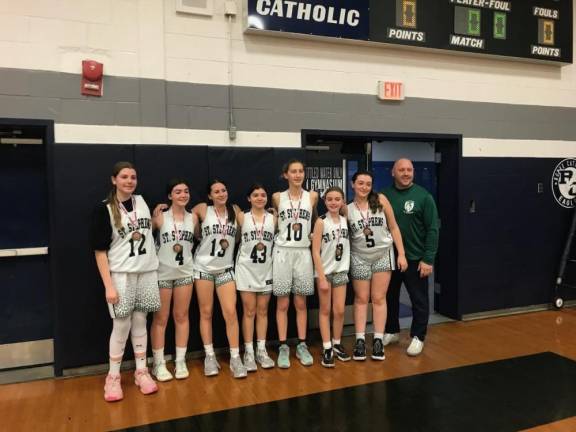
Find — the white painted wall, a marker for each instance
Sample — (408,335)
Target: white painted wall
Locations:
(149,39)
(266,61)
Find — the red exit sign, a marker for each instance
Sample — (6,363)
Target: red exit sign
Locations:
(391,90)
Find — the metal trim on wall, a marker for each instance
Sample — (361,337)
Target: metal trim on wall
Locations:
(21,354)
(4,253)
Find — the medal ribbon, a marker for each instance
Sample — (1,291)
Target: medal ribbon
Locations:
(365,219)
(222,225)
(339,230)
(259,232)
(178,233)
(296,216)
(132,223)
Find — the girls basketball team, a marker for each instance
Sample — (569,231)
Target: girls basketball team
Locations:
(280,252)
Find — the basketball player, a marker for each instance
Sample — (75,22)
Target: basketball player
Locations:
(127,262)
(254,275)
(373,231)
(214,272)
(175,277)
(292,267)
(331,254)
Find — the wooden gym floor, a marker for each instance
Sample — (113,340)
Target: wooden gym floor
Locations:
(500,374)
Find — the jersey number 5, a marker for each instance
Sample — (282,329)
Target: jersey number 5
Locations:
(369,241)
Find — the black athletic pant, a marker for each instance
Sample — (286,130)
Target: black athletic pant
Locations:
(418,291)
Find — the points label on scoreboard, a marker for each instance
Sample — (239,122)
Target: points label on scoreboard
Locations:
(546,32)
(406,22)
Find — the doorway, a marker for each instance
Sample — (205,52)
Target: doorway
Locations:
(436,159)
(26,315)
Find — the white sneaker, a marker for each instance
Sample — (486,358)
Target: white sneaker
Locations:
(415,347)
(390,338)
(250,361)
(181,371)
(161,373)
(264,359)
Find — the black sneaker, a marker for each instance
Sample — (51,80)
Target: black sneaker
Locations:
(377,350)
(359,350)
(341,353)
(328,358)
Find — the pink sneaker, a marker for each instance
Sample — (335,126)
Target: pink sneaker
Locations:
(143,380)
(112,388)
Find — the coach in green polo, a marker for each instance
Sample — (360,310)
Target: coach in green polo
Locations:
(417,217)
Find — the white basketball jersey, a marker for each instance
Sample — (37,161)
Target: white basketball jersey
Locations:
(175,264)
(128,254)
(333,235)
(253,264)
(211,257)
(291,213)
(368,246)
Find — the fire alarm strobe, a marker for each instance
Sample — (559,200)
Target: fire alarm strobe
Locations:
(92,74)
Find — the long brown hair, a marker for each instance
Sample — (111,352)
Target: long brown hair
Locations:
(111,199)
(229,208)
(373,199)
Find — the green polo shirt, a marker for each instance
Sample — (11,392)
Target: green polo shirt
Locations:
(417,217)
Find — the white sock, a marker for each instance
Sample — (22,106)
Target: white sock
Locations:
(336,341)
(249,347)
(360,336)
(140,363)
(209,349)
(115,367)
(181,353)
(158,355)
(326,345)
(261,344)
(378,336)
(234,352)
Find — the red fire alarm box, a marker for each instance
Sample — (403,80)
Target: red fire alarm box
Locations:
(92,75)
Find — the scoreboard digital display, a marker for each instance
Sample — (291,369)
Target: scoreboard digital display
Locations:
(535,30)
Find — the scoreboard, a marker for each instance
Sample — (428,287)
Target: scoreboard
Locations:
(533,30)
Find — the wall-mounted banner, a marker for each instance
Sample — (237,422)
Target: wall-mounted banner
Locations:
(564,183)
(536,30)
(332,18)
(320,178)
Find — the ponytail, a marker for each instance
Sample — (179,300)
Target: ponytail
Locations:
(113,202)
(111,199)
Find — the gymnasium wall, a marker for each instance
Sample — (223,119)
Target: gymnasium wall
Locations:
(167,84)
(168,72)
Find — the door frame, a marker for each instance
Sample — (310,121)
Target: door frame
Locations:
(37,354)
(449,203)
